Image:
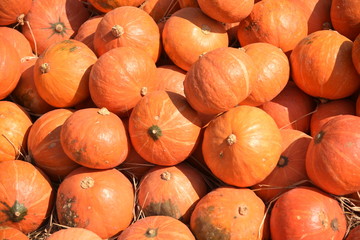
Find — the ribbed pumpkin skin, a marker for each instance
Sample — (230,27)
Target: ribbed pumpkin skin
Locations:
(10,67)
(25,191)
(171,191)
(345,17)
(332,158)
(277,22)
(354,233)
(11,10)
(53,21)
(61,73)
(11,233)
(127,27)
(74,234)
(242,146)
(108,5)
(98,200)
(188,33)
(228,213)
(87,30)
(44,145)
(94,138)
(171,78)
(14,126)
(18,40)
(159,10)
(219,80)
(273,69)
(307,213)
(163,128)
(322,65)
(157,227)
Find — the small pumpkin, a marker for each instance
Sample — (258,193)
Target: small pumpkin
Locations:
(105,6)
(171,78)
(18,40)
(11,233)
(14,11)
(73,234)
(87,30)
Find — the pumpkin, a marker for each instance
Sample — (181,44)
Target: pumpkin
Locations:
(291,108)
(355,52)
(171,78)
(14,126)
(188,33)
(159,10)
(14,11)
(157,227)
(94,138)
(354,233)
(25,93)
(26,196)
(44,145)
(61,73)
(98,200)
(87,30)
(127,27)
(228,213)
(171,191)
(219,80)
(273,69)
(11,233)
(163,128)
(332,157)
(188,3)
(105,6)
(73,234)
(321,65)
(18,40)
(307,213)
(290,169)
(120,87)
(327,110)
(242,146)
(226,11)
(10,67)
(345,17)
(53,21)
(278,22)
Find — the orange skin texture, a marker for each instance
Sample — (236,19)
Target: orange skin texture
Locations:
(87,30)
(94,139)
(98,200)
(74,234)
(139,31)
(160,9)
(18,40)
(355,53)
(171,191)
(290,168)
(44,15)
(166,228)
(321,65)
(22,182)
(179,125)
(228,213)
(44,145)
(188,33)
(354,234)
(171,78)
(65,82)
(219,80)
(105,6)
(308,214)
(10,10)
(188,3)
(12,233)
(345,17)
(332,158)
(14,126)
(249,158)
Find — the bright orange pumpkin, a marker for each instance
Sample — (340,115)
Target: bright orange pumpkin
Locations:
(171,78)
(18,40)
(13,11)
(11,234)
(74,234)
(160,10)
(87,30)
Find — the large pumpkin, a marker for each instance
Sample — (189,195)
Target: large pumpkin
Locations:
(98,200)
(13,11)
(321,65)
(163,128)
(73,234)
(18,40)
(188,33)
(228,213)
(128,27)
(61,73)
(242,146)
(108,5)
(332,158)
(307,213)
(11,233)
(219,80)
(94,138)
(26,196)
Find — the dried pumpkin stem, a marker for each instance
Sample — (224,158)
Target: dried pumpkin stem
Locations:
(104,111)
(117,31)
(87,182)
(143,91)
(45,68)
(231,139)
(283,161)
(151,232)
(165,176)
(59,27)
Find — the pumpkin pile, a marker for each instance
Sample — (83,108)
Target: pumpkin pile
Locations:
(179,119)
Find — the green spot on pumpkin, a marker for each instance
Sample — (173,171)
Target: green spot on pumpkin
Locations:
(318,137)
(72,49)
(166,208)
(16,212)
(151,232)
(67,215)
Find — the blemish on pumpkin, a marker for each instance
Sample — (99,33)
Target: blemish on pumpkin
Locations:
(157,118)
(252,26)
(204,229)
(243,210)
(151,232)
(72,49)
(323,219)
(221,154)
(67,215)
(52,145)
(283,161)
(143,91)
(205,29)
(87,182)
(334,224)
(166,208)
(318,137)
(44,68)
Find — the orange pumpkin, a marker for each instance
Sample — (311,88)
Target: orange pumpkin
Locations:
(171,191)
(157,227)
(98,200)
(73,234)
(171,78)
(11,233)
(355,52)
(242,146)
(14,11)
(26,196)
(94,138)
(87,30)
(105,6)
(228,213)
(14,126)
(61,73)
(128,27)
(188,33)
(18,40)
(188,3)
(163,128)
(354,233)
(159,10)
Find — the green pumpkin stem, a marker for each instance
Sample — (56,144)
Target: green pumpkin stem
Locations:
(318,137)
(155,132)
(16,212)
(151,232)
(283,161)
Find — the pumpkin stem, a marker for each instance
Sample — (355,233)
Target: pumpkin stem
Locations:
(104,111)
(87,182)
(283,161)
(318,137)
(231,139)
(205,29)
(20,19)
(165,176)
(16,212)
(151,232)
(243,210)
(143,91)
(59,28)
(155,132)
(45,68)
(117,31)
